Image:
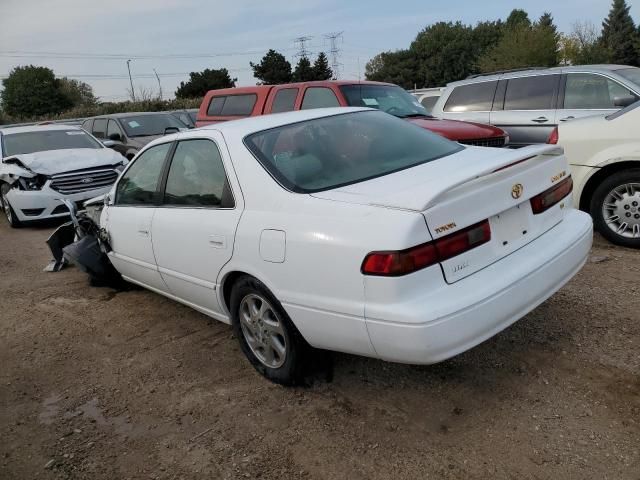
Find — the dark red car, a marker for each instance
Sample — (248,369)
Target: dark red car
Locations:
(233,103)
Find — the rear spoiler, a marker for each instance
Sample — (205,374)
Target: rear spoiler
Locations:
(520,155)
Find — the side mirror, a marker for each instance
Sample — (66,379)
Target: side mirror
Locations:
(169,130)
(116,137)
(109,143)
(624,101)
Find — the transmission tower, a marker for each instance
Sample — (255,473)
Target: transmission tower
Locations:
(335,52)
(301,43)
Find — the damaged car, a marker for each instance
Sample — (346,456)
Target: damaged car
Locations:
(43,164)
(342,229)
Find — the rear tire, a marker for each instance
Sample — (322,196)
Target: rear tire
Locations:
(267,337)
(615,208)
(9,213)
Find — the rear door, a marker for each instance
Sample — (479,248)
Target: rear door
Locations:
(194,228)
(528,111)
(587,94)
(128,220)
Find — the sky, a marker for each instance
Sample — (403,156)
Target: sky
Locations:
(92,41)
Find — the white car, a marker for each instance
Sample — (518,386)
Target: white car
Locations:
(604,153)
(42,164)
(346,229)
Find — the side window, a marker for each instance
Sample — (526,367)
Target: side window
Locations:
(99,127)
(196,176)
(531,93)
(588,91)
(239,105)
(139,184)
(113,128)
(319,97)
(476,97)
(285,100)
(429,102)
(215,106)
(87,124)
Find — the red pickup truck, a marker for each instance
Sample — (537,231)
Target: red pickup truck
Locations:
(233,103)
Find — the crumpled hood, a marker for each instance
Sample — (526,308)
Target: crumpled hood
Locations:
(60,161)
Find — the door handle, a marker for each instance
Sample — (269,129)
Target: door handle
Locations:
(540,120)
(217,241)
(565,119)
(144,233)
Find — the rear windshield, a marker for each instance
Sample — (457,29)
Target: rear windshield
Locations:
(390,99)
(147,125)
(32,142)
(331,152)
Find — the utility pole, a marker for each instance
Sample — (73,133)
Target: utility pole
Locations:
(335,52)
(159,85)
(302,46)
(133,93)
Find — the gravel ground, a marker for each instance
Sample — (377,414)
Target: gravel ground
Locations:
(100,384)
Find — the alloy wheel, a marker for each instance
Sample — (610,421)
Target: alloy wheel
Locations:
(262,329)
(621,210)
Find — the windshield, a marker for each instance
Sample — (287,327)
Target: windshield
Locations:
(31,142)
(632,74)
(390,99)
(331,152)
(146,125)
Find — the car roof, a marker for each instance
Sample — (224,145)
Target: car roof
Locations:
(603,68)
(37,128)
(129,114)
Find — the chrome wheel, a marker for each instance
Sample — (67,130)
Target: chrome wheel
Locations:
(621,210)
(263,331)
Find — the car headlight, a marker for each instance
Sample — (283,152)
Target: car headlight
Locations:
(33,183)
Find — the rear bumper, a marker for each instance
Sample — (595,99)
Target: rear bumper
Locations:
(439,325)
(45,202)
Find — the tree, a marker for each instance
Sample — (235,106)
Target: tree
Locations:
(32,91)
(304,71)
(398,67)
(201,82)
(521,47)
(517,18)
(582,46)
(78,93)
(321,69)
(444,52)
(548,33)
(619,35)
(273,69)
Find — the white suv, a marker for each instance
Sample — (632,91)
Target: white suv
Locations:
(43,164)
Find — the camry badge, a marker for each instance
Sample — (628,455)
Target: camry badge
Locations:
(516,191)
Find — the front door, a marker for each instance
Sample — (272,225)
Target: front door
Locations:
(529,111)
(194,228)
(128,220)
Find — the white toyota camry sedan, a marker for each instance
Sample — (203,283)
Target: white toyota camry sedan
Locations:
(346,230)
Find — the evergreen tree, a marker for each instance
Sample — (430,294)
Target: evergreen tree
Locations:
(304,72)
(201,82)
(273,69)
(321,69)
(619,35)
(517,18)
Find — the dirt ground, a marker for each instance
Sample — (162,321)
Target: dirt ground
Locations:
(99,384)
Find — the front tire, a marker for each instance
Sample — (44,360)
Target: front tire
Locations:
(9,213)
(266,334)
(615,208)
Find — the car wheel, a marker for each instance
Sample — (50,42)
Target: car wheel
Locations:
(6,207)
(615,208)
(266,334)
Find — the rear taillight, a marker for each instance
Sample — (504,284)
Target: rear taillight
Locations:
(403,262)
(547,199)
(554,137)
